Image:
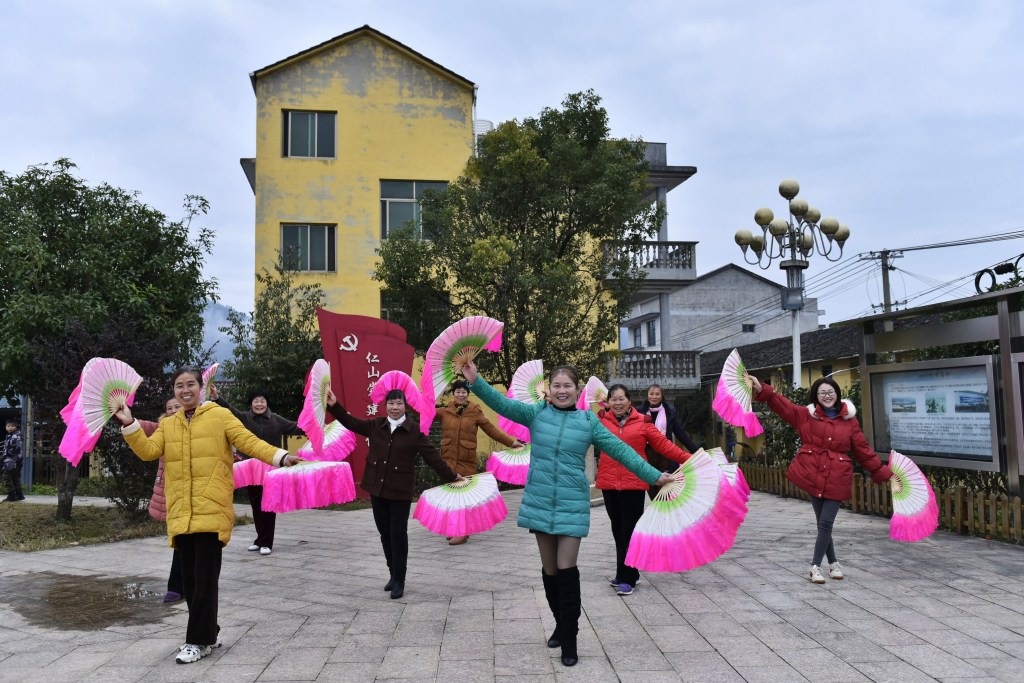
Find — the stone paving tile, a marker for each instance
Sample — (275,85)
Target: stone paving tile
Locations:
(949,607)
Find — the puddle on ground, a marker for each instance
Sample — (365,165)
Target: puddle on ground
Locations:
(83,603)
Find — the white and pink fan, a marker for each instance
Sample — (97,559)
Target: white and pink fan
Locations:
(915,513)
(313,416)
(460,343)
(462,509)
(105,384)
(310,484)
(733,473)
(209,374)
(511,467)
(249,472)
(690,523)
(733,398)
(593,392)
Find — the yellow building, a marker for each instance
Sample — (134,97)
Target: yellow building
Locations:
(349,134)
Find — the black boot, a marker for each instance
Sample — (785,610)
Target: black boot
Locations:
(569,609)
(551,593)
(390,584)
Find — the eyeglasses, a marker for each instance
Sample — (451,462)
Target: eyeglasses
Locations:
(826,394)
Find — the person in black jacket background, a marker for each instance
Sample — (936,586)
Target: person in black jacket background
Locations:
(651,406)
(11,462)
(272,428)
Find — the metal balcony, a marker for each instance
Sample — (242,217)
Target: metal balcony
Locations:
(673,370)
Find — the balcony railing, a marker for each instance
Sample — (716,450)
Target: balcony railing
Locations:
(668,265)
(640,369)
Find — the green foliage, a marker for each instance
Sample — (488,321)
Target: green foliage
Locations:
(92,271)
(276,344)
(519,236)
(127,480)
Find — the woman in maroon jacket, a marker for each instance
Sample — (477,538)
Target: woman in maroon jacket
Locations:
(623,491)
(829,432)
(390,475)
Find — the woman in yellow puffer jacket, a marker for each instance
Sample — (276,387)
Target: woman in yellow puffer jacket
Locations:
(199,487)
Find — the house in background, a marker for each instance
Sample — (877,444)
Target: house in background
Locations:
(349,135)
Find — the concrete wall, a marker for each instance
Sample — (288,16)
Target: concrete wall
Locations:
(398,118)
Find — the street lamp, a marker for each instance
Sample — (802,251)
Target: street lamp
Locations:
(794,238)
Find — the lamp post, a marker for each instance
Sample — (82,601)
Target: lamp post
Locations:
(793,239)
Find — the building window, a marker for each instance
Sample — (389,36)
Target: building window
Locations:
(400,204)
(309,134)
(309,247)
(421,324)
(749,327)
(652,332)
(826,370)
(638,340)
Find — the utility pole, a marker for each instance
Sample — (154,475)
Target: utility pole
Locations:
(885,257)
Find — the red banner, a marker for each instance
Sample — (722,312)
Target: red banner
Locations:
(360,349)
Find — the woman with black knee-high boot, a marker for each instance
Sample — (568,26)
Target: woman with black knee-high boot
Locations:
(556,500)
(829,432)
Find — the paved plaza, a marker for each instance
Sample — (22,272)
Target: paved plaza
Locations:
(950,608)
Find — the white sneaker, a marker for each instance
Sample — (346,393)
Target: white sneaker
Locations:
(253,548)
(192,653)
(265,551)
(815,574)
(835,571)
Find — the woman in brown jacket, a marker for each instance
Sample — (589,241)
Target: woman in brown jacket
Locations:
(390,475)
(459,423)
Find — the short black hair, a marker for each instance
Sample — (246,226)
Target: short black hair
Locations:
(14,421)
(396,394)
(188,370)
(460,384)
(619,387)
(259,391)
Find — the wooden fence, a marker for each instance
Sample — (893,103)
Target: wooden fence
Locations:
(960,510)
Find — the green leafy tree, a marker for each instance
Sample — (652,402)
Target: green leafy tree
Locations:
(92,271)
(275,345)
(519,237)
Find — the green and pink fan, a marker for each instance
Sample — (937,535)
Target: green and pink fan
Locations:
(209,374)
(308,485)
(691,521)
(528,386)
(462,508)
(915,512)
(734,396)
(511,467)
(460,343)
(104,386)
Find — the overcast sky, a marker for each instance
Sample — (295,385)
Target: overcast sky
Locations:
(903,119)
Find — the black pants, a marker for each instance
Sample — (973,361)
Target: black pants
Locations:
(175,584)
(624,510)
(13,479)
(266,522)
(200,564)
(825,511)
(392,520)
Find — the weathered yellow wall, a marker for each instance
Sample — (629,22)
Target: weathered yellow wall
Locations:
(398,118)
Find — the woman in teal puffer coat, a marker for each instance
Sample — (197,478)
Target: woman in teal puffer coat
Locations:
(556,501)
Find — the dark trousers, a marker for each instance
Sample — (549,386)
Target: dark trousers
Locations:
(624,510)
(825,512)
(13,479)
(200,565)
(175,584)
(265,522)
(392,520)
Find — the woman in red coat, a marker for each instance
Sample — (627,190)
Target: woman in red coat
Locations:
(829,432)
(623,491)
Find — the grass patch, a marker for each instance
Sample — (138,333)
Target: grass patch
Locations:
(27,528)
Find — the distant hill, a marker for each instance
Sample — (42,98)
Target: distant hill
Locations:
(214,317)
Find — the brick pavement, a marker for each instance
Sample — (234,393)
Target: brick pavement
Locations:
(950,608)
